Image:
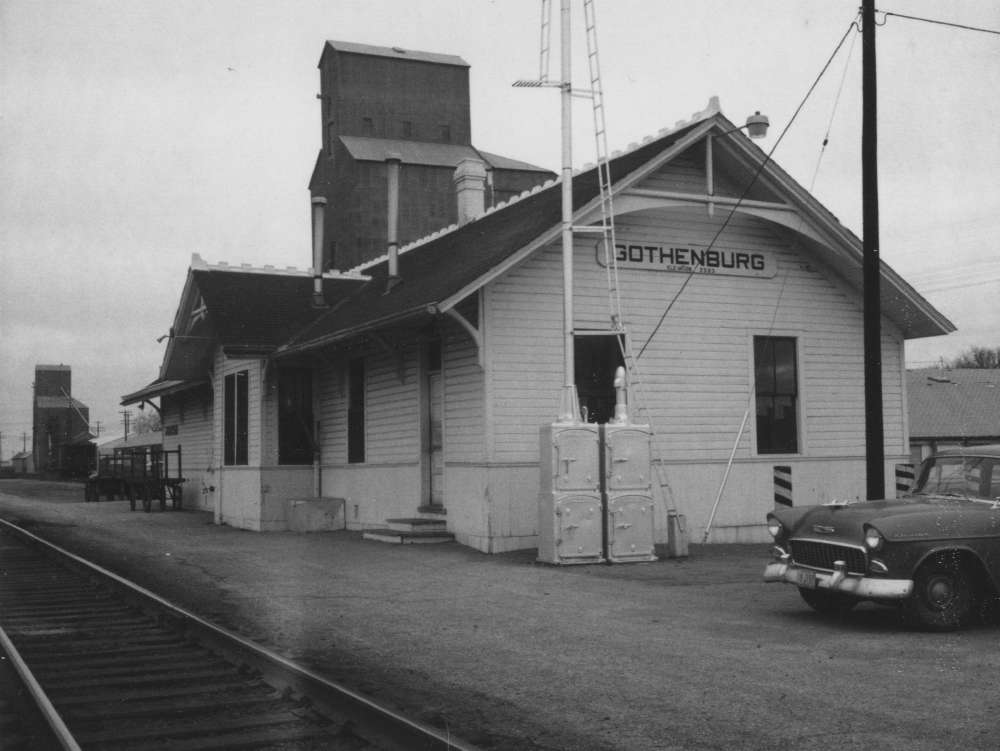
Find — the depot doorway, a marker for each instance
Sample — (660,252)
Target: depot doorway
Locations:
(433,429)
(596,357)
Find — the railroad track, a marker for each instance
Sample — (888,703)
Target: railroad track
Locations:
(113,666)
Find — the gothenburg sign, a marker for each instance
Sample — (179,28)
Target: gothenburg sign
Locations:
(692,259)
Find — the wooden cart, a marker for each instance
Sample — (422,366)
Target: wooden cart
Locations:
(141,474)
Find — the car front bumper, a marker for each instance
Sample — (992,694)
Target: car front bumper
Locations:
(862,587)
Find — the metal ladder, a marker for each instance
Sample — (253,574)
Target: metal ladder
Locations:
(677,535)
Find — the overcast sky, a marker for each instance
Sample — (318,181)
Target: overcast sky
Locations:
(135,133)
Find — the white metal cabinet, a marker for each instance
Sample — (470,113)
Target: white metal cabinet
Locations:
(629,512)
(569,506)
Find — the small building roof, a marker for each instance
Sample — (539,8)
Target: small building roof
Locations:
(244,309)
(398,53)
(960,403)
(160,387)
(58,402)
(152,438)
(426,153)
(262,309)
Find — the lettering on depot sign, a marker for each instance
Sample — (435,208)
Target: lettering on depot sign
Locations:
(692,260)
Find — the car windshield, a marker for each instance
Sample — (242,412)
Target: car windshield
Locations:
(961,477)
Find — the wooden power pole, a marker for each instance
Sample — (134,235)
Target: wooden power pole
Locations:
(874,428)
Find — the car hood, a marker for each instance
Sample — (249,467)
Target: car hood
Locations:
(914,517)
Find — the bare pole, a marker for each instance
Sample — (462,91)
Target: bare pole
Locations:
(874,428)
(570,405)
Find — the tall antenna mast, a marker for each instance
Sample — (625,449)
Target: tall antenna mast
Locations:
(569,403)
(569,407)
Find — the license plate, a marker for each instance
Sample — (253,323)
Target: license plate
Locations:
(802,578)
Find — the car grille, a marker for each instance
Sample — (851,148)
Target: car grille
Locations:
(822,555)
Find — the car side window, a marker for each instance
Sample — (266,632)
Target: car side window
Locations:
(992,479)
(964,477)
(949,477)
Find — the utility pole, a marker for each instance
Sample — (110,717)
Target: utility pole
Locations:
(874,428)
(97,427)
(125,418)
(24,442)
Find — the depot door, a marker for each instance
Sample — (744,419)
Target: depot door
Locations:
(433,459)
(596,358)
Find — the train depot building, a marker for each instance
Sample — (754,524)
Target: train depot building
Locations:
(410,379)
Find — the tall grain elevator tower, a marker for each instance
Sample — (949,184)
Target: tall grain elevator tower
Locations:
(378,103)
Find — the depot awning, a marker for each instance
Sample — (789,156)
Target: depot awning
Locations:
(160,388)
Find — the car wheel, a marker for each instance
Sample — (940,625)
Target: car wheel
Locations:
(828,603)
(942,596)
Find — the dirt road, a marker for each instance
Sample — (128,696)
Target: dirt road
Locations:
(510,654)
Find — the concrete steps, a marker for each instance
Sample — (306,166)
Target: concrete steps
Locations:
(415,530)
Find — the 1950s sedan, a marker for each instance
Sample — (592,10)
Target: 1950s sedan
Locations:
(935,553)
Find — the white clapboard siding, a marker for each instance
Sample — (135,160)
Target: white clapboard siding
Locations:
(697,372)
(686,174)
(392,423)
(332,412)
(191,413)
(464,399)
(391,407)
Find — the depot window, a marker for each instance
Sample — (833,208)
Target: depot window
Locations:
(236,418)
(295,416)
(776,376)
(356,412)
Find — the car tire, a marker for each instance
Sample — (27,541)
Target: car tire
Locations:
(943,597)
(827,603)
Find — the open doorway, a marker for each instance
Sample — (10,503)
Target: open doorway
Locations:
(433,430)
(596,358)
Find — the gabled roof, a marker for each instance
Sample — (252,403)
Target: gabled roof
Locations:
(440,270)
(960,403)
(261,309)
(243,309)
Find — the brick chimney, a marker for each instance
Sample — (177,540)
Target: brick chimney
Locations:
(470,189)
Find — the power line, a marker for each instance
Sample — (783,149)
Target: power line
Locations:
(939,23)
(750,184)
(962,285)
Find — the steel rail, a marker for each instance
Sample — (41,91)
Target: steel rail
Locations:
(38,695)
(381,721)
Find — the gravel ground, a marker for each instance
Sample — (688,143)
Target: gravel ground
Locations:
(509,654)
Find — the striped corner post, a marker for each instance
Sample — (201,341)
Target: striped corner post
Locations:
(906,477)
(782,485)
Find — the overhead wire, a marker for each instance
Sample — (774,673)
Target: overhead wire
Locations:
(752,390)
(886,14)
(767,158)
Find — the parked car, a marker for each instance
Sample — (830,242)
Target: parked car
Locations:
(935,553)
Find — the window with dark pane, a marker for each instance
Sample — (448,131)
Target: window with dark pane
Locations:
(295,416)
(356,411)
(776,376)
(236,414)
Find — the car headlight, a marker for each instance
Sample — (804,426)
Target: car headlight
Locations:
(775,528)
(873,538)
